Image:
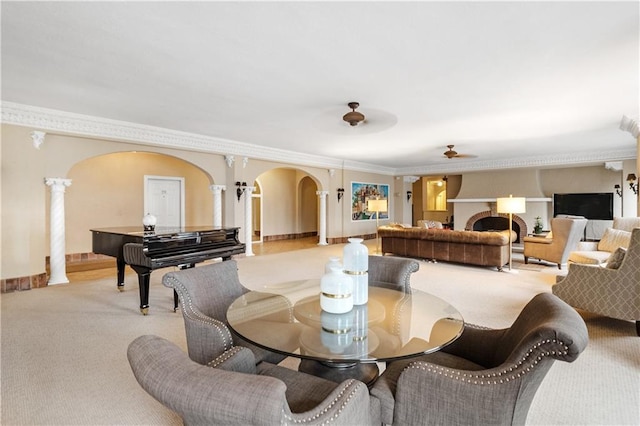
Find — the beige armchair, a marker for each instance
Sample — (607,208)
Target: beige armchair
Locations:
(610,292)
(598,252)
(566,232)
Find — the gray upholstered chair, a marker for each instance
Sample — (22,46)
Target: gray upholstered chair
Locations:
(233,390)
(566,232)
(613,291)
(205,294)
(392,272)
(485,377)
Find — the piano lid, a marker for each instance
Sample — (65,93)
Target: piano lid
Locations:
(160,230)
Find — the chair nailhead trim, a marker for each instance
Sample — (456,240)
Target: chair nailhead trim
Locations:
(191,312)
(511,373)
(224,357)
(352,384)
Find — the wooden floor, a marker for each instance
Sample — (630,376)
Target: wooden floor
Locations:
(107,269)
(281,246)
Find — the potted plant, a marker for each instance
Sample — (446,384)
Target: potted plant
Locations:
(537,226)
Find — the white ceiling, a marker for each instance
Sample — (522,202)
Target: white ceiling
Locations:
(511,83)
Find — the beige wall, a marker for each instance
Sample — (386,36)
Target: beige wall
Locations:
(106,190)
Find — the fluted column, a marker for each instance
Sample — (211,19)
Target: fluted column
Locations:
(217,204)
(322,240)
(57,232)
(248,214)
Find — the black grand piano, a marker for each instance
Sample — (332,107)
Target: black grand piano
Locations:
(163,247)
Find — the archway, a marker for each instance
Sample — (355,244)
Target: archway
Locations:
(108,190)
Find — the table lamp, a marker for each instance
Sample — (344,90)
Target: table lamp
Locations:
(511,205)
(377,205)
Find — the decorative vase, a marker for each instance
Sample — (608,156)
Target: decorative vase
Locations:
(356,264)
(336,289)
(149,222)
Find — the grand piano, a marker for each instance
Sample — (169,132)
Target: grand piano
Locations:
(163,247)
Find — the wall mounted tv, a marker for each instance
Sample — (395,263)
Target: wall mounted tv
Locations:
(595,206)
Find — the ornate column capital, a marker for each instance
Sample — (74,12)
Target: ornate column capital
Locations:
(57,184)
(217,188)
(322,193)
(38,138)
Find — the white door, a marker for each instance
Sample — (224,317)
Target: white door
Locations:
(164,198)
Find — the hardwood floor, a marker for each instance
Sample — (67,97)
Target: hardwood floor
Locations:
(280,246)
(108,269)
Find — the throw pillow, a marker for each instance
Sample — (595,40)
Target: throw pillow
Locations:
(615,260)
(614,238)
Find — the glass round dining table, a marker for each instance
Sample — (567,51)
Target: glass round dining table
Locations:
(286,318)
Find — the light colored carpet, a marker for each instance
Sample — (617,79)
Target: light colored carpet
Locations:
(64,347)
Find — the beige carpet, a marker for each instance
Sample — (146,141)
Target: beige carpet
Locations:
(64,347)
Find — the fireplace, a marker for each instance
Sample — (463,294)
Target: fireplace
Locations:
(488,221)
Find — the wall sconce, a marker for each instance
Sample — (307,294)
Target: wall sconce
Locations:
(240,189)
(409,194)
(631,178)
(340,193)
(617,188)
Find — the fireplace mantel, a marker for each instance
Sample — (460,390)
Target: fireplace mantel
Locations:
(493,200)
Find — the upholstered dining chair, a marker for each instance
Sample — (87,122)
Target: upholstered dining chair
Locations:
(485,377)
(233,390)
(392,272)
(205,293)
(566,232)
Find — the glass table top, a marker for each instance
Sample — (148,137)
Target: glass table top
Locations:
(287,318)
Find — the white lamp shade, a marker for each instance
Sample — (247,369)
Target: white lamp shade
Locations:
(511,204)
(377,205)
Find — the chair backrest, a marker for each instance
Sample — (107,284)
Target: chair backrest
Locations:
(567,232)
(626,223)
(391,272)
(209,288)
(546,321)
(212,396)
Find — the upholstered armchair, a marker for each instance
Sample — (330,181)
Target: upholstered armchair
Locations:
(485,377)
(392,272)
(565,234)
(205,294)
(232,390)
(598,252)
(613,291)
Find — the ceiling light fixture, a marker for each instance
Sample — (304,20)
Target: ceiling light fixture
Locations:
(353,118)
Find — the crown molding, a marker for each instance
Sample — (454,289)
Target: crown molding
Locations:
(541,161)
(66,123)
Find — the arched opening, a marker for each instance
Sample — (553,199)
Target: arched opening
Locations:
(108,191)
(289,204)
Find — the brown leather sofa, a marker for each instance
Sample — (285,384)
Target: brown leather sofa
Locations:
(469,247)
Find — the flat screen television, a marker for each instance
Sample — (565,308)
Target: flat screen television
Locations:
(594,205)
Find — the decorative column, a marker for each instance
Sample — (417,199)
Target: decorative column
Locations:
(322,241)
(248,239)
(217,204)
(57,237)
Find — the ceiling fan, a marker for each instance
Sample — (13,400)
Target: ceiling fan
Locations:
(353,117)
(450,153)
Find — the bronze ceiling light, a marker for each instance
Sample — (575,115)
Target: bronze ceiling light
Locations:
(353,118)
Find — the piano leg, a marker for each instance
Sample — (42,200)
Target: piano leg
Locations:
(175,295)
(120,265)
(144,277)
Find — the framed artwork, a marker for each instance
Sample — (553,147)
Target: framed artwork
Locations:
(361,193)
